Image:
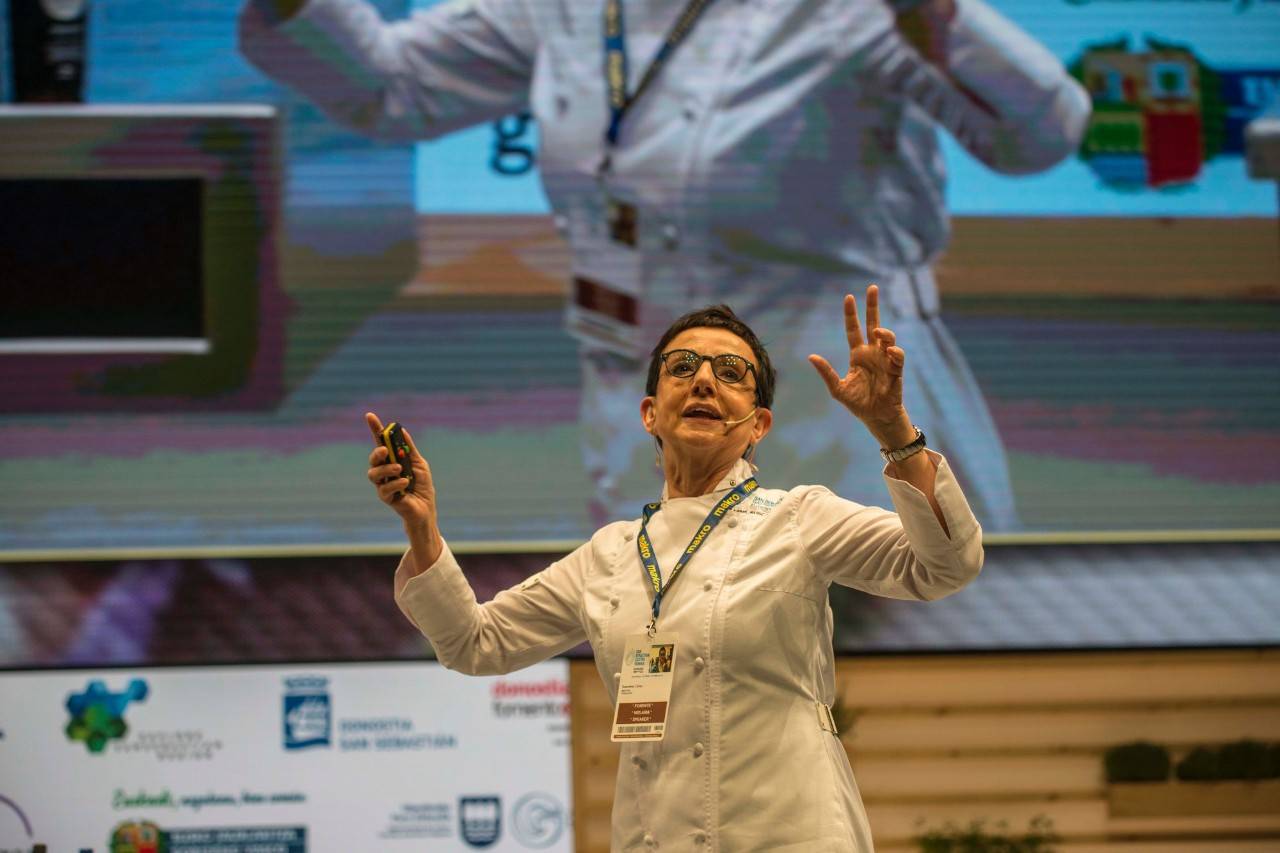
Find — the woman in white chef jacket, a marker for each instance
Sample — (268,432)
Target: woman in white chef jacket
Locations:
(750,759)
(784,152)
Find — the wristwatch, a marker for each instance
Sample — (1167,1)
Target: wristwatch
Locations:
(907,450)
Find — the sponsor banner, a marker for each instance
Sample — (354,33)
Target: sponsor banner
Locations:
(285,759)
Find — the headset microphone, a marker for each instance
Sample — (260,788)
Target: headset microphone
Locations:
(751,414)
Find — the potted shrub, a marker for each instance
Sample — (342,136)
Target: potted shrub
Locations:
(1238,778)
(975,838)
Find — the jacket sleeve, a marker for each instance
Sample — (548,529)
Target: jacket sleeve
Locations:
(530,622)
(448,67)
(1033,113)
(905,554)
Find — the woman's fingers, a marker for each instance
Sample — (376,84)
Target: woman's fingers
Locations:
(389,492)
(852,331)
(413,448)
(375,426)
(827,372)
(873,309)
(379,474)
(897,358)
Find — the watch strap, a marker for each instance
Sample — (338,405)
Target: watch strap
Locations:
(907,450)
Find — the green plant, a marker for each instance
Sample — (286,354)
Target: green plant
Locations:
(1199,765)
(1243,759)
(1139,761)
(976,839)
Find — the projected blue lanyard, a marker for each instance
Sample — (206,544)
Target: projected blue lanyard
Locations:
(649,558)
(615,65)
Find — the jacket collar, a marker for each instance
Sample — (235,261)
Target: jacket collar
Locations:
(740,471)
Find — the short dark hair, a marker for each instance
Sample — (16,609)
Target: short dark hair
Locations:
(717,317)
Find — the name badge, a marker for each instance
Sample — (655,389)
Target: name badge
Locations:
(644,691)
(624,222)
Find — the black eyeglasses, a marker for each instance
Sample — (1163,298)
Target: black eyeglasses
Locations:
(728,368)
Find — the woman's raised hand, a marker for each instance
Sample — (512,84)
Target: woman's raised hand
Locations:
(872,389)
(416,507)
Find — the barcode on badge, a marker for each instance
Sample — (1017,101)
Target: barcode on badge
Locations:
(628,730)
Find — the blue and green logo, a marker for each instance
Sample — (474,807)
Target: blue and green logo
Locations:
(97,714)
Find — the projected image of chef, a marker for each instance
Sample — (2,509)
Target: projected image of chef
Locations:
(775,156)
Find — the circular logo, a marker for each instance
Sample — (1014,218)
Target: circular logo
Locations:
(537,820)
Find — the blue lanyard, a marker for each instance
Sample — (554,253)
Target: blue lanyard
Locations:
(649,558)
(615,62)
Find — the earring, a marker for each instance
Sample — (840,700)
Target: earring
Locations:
(657,452)
(750,456)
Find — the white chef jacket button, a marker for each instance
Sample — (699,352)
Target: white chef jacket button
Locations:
(699,838)
(733,522)
(613,602)
(733,482)
(697,750)
(708,586)
(649,840)
(699,663)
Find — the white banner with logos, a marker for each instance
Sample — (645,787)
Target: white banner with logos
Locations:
(285,759)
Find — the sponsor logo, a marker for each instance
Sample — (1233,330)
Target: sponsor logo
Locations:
(97,714)
(530,699)
(122,800)
(1160,113)
(306,712)
(480,820)
(309,722)
(759,505)
(420,820)
(97,720)
(138,837)
(388,734)
(148,837)
(537,820)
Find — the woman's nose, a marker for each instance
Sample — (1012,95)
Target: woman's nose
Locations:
(704,375)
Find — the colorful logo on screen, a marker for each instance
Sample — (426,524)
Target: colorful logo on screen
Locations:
(307,712)
(480,820)
(97,714)
(138,837)
(1160,114)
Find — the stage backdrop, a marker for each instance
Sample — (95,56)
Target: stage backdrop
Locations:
(315,757)
(1120,312)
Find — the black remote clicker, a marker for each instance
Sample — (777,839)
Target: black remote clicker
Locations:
(393,438)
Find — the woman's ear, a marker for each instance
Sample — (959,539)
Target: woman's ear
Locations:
(648,413)
(761,425)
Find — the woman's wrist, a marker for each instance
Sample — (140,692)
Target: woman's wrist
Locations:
(893,433)
(426,543)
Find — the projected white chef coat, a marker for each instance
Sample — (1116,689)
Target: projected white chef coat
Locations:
(784,156)
(749,762)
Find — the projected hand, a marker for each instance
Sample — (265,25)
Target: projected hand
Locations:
(872,389)
(417,508)
(927,25)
